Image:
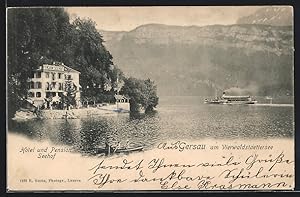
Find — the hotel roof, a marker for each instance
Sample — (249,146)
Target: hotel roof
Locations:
(117,96)
(66,68)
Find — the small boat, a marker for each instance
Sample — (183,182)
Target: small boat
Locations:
(127,150)
(120,150)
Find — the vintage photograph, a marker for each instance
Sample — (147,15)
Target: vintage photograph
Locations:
(150,98)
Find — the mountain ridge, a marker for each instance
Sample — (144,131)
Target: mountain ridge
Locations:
(274,15)
(194,60)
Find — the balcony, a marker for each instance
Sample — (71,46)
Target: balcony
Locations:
(54,87)
(34,85)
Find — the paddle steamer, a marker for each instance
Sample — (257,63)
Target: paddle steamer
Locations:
(228,99)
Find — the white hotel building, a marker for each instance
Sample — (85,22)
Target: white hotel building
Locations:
(49,81)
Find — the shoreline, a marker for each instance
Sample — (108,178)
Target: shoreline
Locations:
(69,114)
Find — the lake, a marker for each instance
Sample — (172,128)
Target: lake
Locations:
(176,118)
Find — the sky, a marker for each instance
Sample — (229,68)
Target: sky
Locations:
(128,18)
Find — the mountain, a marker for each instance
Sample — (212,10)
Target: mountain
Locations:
(275,15)
(192,60)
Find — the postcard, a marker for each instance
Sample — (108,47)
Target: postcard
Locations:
(154,98)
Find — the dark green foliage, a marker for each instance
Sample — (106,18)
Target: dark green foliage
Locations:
(142,93)
(45,35)
(69,98)
(34,36)
(90,56)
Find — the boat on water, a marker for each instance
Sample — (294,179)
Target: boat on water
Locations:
(119,150)
(214,101)
(231,100)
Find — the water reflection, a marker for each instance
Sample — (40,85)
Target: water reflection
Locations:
(183,121)
(89,133)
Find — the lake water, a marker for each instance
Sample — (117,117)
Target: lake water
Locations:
(176,118)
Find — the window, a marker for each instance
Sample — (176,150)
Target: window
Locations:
(69,77)
(47,75)
(53,76)
(38,85)
(47,86)
(60,86)
(50,94)
(53,84)
(30,94)
(32,85)
(38,75)
(59,75)
(38,94)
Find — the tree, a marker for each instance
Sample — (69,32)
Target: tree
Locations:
(69,98)
(150,92)
(98,73)
(90,56)
(44,35)
(142,93)
(34,36)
